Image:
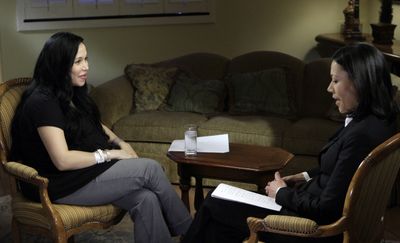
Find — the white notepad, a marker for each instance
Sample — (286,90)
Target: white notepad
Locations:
(231,193)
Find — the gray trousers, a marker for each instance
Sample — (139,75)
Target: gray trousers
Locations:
(140,187)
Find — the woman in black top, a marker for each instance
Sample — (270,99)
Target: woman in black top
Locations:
(57,130)
(362,89)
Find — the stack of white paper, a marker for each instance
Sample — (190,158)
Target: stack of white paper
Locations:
(231,193)
(205,144)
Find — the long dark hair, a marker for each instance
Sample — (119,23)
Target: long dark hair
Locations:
(368,69)
(52,73)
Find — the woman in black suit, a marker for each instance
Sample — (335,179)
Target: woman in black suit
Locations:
(361,88)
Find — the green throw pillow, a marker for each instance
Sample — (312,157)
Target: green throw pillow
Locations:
(195,95)
(151,83)
(265,91)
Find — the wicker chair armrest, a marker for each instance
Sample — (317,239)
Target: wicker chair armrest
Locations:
(26,173)
(288,225)
(291,224)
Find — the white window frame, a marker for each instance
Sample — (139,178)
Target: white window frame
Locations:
(68,14)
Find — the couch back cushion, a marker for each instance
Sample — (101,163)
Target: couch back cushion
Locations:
(191,94)
(265,61)
(261,92)
(151,84)
(317,101)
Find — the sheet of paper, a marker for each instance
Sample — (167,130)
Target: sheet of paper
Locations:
(231,193)
(205,144)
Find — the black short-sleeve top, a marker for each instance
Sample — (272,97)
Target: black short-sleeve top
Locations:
(43,109)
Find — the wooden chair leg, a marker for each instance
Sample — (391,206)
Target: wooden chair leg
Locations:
(15,232)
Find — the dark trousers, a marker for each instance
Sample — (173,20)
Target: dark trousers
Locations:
(225,221)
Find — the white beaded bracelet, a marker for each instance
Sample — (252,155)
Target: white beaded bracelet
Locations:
(99,156)
(102,156)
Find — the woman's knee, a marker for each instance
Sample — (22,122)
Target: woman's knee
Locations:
(153,165)
(136,199)
(148,197)
(148,203)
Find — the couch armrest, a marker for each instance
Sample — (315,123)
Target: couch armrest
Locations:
(114,99)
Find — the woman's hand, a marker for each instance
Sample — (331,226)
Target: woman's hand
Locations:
(120,154)
(291,180)
(119,142)
(273,186)
(128,149)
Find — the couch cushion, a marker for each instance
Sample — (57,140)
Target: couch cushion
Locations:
(262,92)
(259,130)
(262,60)
(195,95)
(307,136)
(155,126)
(151,83)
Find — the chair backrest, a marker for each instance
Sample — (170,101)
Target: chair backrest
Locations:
(369,192)
(10,95)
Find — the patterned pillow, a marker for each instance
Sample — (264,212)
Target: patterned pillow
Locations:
(151,83)
(261,92)
(195,95)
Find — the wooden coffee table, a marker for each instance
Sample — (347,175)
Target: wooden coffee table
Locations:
(244,163)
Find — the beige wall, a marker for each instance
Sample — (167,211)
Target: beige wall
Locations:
(241,26)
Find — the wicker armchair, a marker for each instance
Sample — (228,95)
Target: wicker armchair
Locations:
(59,222)
(364,207)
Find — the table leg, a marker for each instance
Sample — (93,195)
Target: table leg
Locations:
(198,196)
(184,185)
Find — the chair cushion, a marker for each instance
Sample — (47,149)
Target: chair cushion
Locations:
(31,213)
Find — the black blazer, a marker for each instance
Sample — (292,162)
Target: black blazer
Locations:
(322,198)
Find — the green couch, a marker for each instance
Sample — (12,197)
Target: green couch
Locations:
(302,130)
